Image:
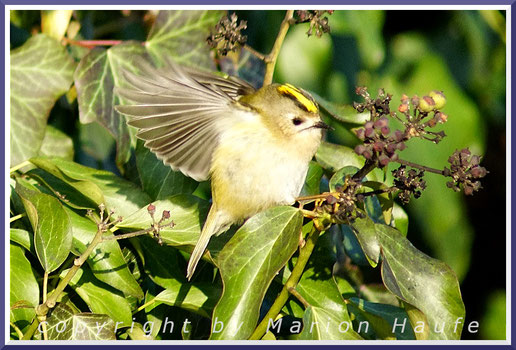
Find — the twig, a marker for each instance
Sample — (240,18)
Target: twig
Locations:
(127,235)
(259,55)
(92,43)
(304,254)
(366,169)
(420,167)
(271,58)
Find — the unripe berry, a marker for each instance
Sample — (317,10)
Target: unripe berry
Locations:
(439,98)
(426,104)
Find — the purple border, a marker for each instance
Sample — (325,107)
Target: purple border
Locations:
(258,2)
(239,2)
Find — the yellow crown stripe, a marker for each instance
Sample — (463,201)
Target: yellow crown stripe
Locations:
(294,92)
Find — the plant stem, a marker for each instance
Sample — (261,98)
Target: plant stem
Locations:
(17,330)
(19,216)
(366,169)
(281,299)
(420,167)
(32,329)
(150,302)
(259,55)
(92,43)
(126,235)
(270,59)
(19,166)
(298,296)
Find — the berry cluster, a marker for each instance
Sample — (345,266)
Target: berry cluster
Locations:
(318,23)
(378,143)
(158,225)
(408,183)
(465,171)
(227,36)
(342,204)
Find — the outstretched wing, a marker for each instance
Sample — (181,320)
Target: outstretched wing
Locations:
(180,113)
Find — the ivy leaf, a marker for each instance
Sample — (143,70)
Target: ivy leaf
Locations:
(101,186)
(426,283)
(56,144)
(313,180)
(100,297)
(41,71)
(323,324)
(383,317)
(23,238)
(65,324)
(248,263)
(181,35)
(333,157)
(167,268)
(96,75)
(23,287)
(159,181)
(51,226)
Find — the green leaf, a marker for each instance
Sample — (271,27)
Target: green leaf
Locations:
(51,226)
(313,180)
(100,297)
(23,287)
(107,261)
(199,298)
(186,211)
(65,192)
(319,289)
(96,75)
(339,178)
(335,157)
(248,263)
(324,324)
(181,35)
(159,181)
(167,268)
(23,238)
(41,71)
(100,186)
(390,315)
(56,144)
(65,324)
(365,232)
(426,283)
(401,220)
(343,113)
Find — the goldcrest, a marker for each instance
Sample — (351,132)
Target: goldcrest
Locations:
(255,145)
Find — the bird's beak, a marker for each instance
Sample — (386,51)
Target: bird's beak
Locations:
(322,125)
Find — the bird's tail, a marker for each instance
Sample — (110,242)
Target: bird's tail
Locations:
(216,223)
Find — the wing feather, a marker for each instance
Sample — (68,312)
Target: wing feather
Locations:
(180,112)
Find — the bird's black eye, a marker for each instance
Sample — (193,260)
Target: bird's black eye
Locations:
(297,121)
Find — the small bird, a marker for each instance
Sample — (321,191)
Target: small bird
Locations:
(254,144)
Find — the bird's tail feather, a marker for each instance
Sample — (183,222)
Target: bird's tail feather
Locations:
(215,224)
